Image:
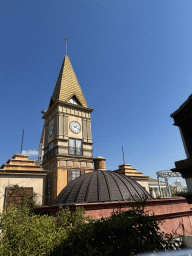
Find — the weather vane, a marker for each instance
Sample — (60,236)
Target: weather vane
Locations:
(66,45)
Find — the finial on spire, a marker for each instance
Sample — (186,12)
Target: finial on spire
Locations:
(66,45)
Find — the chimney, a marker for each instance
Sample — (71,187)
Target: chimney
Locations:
(99,163)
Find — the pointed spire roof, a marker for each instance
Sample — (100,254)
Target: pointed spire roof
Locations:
(67,85)
(43,134)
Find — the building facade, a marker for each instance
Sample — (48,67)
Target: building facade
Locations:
(22,172)
(178,187)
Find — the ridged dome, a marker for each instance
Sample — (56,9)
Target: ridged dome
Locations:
(101,186)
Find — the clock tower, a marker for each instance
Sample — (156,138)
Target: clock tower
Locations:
(68,141)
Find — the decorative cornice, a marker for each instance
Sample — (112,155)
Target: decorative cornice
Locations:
(20,172)
(66,104)
(68,158)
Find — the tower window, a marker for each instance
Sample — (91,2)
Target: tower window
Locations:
(75,174)
(74,101)
(50,150)
(51,145)
(75,147)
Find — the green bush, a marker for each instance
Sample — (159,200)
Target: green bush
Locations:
(124,233)
(25,233)
(71,233)
(173,192)
(28,234)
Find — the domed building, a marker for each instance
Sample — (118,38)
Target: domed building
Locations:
(101,186)
(178,187)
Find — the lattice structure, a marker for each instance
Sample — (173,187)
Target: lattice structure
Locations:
(166,174)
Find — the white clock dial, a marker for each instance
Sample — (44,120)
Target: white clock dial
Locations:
(75,127)
(50,130)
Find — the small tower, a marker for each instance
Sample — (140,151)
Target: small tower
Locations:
(68,140)
(39,160)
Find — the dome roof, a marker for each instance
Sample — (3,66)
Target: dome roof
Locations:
(101,186)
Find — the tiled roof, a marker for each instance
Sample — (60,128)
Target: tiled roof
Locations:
(67,85)
(21,163)
(101,186)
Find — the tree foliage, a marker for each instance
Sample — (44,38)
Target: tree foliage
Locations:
(71,233)
(124,233)
(25,233)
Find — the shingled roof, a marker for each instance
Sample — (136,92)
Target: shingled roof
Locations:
(67,85)
(101,186)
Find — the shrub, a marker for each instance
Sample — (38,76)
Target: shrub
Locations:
(24,233)
(71,233)
(173,192)
(124,233)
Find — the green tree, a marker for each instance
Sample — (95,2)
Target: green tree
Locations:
(173,192)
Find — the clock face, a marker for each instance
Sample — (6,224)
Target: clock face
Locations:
(75,127)
(50,130)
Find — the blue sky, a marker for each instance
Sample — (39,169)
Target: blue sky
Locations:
(133,60)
